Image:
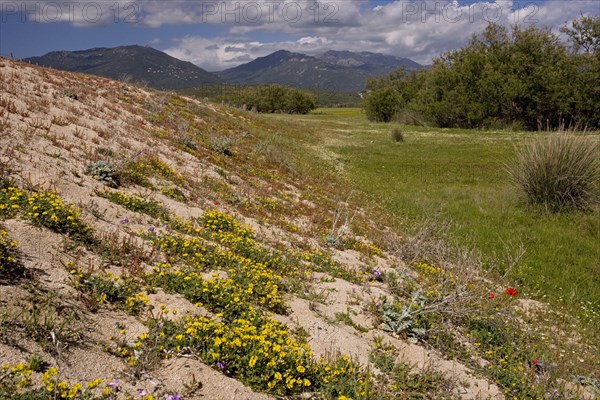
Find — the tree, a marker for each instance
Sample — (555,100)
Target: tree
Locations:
(276,98)
(382,105)
(524,77)
(584,34)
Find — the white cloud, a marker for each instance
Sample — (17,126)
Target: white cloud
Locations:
(417,29)
(215,54)
(420,30)
(84,13)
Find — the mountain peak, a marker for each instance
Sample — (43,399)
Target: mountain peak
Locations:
(345,71)
(134,62)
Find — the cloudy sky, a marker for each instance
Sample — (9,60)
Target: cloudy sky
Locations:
(220,34)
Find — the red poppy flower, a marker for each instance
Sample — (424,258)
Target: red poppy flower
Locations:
(511,292)
(535,361)
(216,203)
(491,295)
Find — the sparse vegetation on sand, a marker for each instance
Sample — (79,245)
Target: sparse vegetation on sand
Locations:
(251,273)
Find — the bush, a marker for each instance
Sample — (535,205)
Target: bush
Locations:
(272,98)
(397,134)
(558,172)
(382,105)
(104,171)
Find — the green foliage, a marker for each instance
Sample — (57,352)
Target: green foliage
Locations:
(584,34)
(103,171)
(117,290)
(188,142)
(559,171)
(141,171)
(9,255)
(221,145)
(134,203)
(382,105)
(404,379)
(275,98)
(45,209)
(524,77)
(44,319)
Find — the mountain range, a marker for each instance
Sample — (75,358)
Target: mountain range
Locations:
(139,64)
(333,71)
(343,71)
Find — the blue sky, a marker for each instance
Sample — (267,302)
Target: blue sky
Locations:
(219,34)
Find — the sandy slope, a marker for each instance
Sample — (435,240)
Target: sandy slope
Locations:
(47,140)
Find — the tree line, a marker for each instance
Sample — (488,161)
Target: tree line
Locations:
(527,78)
(272,98)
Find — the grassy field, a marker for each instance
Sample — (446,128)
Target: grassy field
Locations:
(460,176)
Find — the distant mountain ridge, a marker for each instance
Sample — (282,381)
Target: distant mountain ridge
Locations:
(366,59)
(140,64)
(334,70)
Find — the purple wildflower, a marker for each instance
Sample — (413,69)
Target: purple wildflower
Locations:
(114,383)
(221,364)
(142,392)
(125,220)
(377,273)
(151,229)
(173,396)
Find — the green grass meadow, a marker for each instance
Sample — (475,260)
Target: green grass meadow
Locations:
(460,176)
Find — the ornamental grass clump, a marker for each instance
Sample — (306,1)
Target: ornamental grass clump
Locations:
(558,172)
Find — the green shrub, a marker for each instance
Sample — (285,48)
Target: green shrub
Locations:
(103,171)
(221,145)
(559,171)
(271,98)
(382,105)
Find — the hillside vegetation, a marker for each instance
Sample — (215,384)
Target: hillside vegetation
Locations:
(159,247)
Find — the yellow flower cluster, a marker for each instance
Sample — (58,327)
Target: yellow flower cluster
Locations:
(136,303)
(230,295)
(245,274)
(8,253)
(45,209)
(109,288)
(17,382)
(172,192)
(367,248)
(268,204)
(255,348)
(218,221)
(17,376)
(61,389)
(140,170)
(11,201)
(433,274)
